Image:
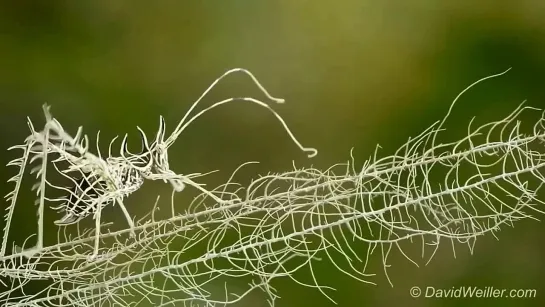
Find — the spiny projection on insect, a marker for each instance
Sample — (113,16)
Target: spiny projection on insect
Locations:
(98,181)
(89,187)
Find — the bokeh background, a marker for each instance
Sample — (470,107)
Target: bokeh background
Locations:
(354,74)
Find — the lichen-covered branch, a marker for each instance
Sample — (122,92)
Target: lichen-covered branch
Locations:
(426,193)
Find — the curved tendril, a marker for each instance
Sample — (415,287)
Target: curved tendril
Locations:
(110,146)
(145,145)
(133,159)
(123,149)
(85,144)
(161,132)
(146,150)
(96,144)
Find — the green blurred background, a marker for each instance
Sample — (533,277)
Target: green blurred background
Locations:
(353,73)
